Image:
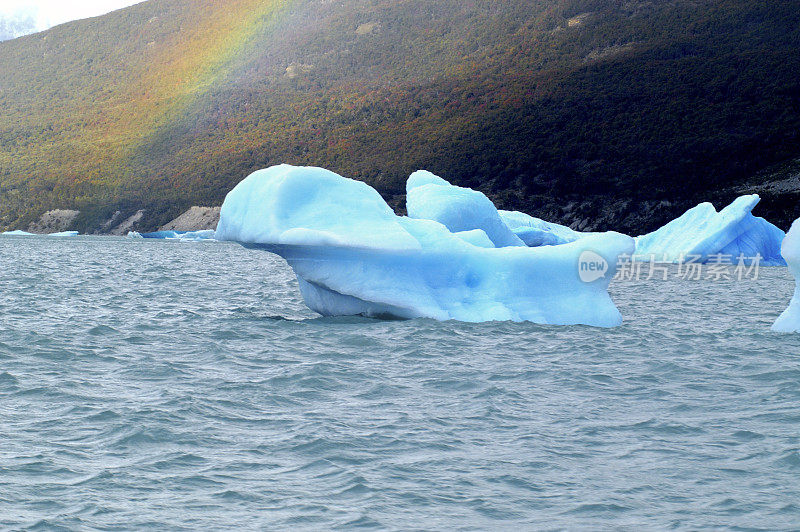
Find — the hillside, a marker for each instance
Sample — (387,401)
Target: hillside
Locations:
(600,114)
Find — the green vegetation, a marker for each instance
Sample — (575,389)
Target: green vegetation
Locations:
(606,114)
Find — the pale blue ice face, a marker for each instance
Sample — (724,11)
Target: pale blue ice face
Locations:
(703,232)
(429,197)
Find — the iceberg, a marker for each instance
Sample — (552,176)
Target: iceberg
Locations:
(429,197)
(190,236)
(25,233)
(704,233)
(354,256)
(161,235)
(536,232)
(789,320)
(195,236)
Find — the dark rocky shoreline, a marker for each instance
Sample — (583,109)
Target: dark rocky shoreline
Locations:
(779,191)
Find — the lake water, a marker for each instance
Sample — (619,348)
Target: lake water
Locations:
(174,385)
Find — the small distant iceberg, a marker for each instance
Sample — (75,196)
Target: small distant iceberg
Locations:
(163,235)
(702,232)
(354,256)
(25,233)
(789,321)
(191,236)
(195,236)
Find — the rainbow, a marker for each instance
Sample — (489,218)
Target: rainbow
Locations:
(183,68)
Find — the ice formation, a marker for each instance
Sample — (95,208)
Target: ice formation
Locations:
(161,235)
(535,232)
(789,321)
(353,255)
(430,197)
(25,233)
(206,234)
(703,232)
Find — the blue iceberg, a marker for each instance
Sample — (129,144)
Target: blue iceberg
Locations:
(704,233)
(189,236)
(789,320)
(353,256)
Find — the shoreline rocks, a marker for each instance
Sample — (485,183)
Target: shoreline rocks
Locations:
(55,221)
(195,219)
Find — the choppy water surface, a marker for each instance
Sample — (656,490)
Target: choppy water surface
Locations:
(177,385)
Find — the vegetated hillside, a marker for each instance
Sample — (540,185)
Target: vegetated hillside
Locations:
(601,114)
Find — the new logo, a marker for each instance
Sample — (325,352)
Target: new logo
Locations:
(591,266)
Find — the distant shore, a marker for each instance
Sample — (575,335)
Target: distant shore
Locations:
(59,220)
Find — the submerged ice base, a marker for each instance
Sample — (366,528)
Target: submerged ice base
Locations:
(703,232)
(789,320)
(352,255)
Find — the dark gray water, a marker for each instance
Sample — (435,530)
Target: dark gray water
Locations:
(174,385)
